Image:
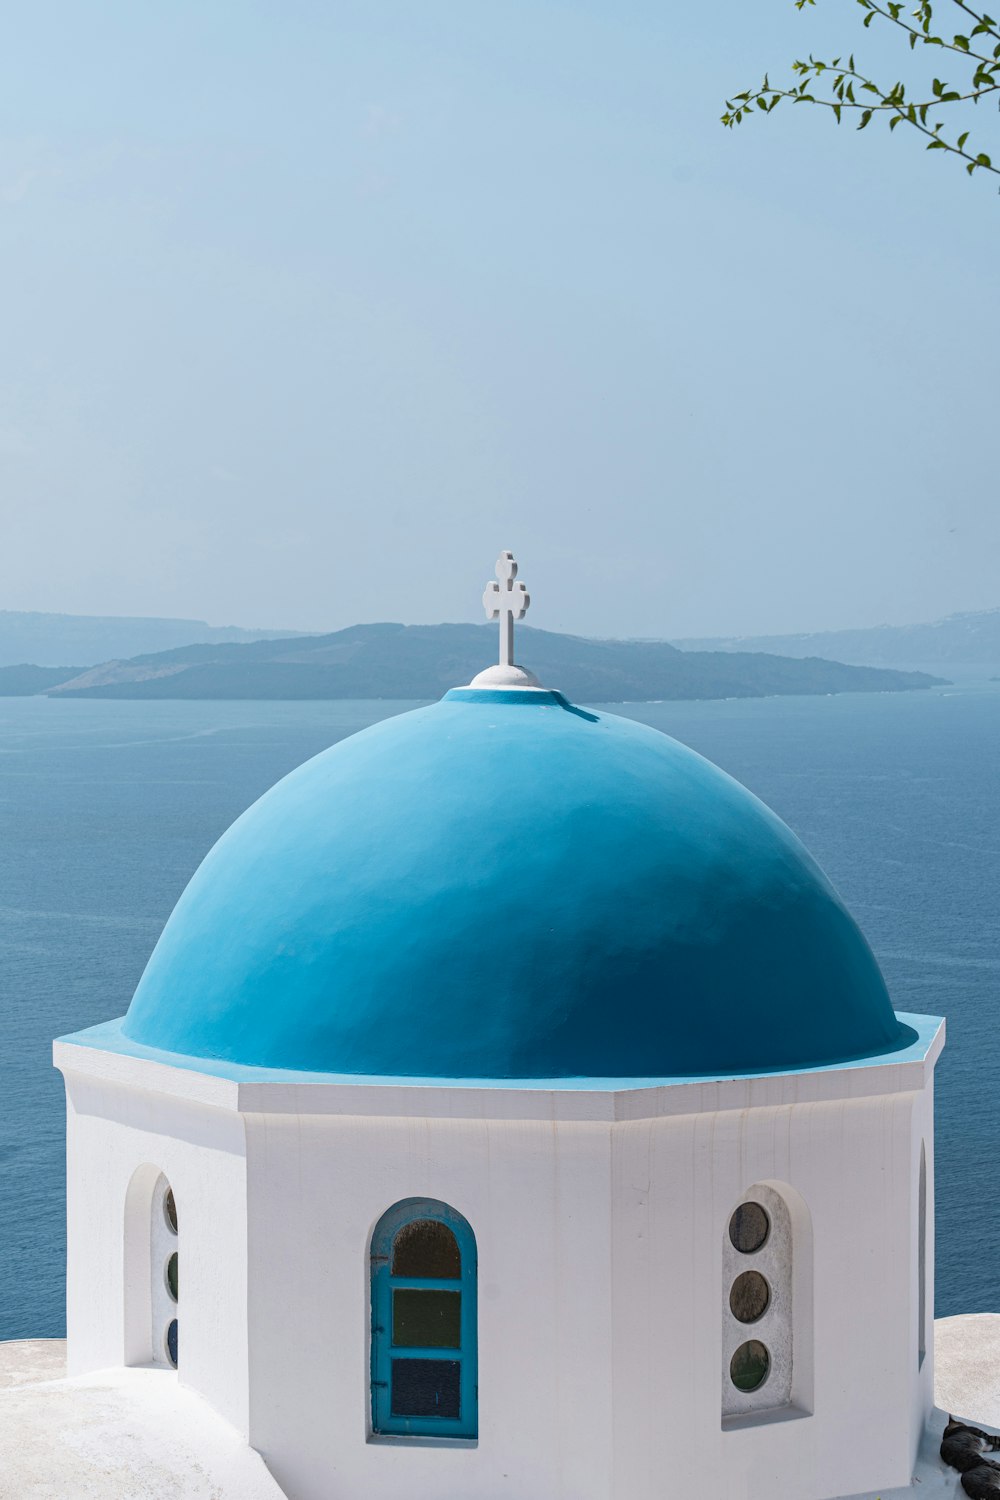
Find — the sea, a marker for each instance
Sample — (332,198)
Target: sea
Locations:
(106,808)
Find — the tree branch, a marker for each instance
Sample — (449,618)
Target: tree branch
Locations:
(985,82)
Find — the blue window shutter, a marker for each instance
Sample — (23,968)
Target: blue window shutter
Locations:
(424,1390)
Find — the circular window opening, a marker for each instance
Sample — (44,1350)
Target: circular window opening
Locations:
(748,1296)
(750,1366)
(170,1210)
(171,1342)
(749,1228)
(171,1275)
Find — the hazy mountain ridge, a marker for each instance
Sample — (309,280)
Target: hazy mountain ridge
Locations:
(24,680)
(51,640)
(423,661)
(970,637)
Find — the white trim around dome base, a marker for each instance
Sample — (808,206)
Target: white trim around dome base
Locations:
(103,1053)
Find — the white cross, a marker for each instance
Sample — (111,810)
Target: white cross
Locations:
(506,601)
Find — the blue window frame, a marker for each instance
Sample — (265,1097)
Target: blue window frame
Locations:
(423,1279)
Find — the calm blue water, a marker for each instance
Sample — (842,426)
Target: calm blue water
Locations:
(106,809)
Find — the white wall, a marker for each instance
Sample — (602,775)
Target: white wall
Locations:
(537,1198)
(600,1245)
(923,1131)
(601,1280)
(113,1131)
(676,1182)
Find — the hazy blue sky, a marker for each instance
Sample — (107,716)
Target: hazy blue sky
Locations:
(308,308)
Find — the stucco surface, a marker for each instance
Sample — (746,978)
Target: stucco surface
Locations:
(967,1367)
(28,1361)
(135,1435)
(504,886)
(118,1435)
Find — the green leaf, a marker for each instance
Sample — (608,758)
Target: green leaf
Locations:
(866,115)
(962,139)
(962,43)
(836,111)
(982,160)
(894,121)
(971,168)
(937,146)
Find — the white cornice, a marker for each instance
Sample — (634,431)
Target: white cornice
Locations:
(897,1073)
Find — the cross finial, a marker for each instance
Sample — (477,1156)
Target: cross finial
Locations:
(506,601)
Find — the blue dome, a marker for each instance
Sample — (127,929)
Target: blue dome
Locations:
(504,886)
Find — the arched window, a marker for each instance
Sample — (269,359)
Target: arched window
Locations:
(767,1314)
(151,1270)
(165,1274)
(423,1289)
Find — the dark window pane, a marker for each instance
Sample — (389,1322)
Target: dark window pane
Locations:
(170,1210)
(172,1276)
(749,1296)
(749,1227)
(172,1342)
(749,1366)
(428,1320)
(426,1388)
(426,1247)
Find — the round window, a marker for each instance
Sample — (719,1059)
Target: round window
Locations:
(171,1342)
(748,1296)
(172,1276)
(749,1366)
(170,1210)
(749,1228)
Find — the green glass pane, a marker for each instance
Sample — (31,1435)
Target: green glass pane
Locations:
(749,1366)
(749,1296)
(170,1210)
(172,1276)
(426,1320)
(426,1247)
(749,1227)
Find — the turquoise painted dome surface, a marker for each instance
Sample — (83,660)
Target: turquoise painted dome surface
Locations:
(504,886)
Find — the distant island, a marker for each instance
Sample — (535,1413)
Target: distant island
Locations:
(48,640)
(969,638)
(423,661)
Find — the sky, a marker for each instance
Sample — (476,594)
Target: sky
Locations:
(309,309)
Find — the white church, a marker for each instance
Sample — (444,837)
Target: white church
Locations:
(510,1107)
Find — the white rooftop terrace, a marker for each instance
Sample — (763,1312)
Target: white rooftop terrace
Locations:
(138,1434)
